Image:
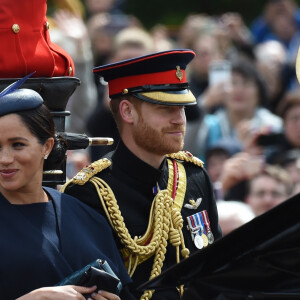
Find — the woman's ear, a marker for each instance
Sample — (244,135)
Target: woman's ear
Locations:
(48,146)
(127,111)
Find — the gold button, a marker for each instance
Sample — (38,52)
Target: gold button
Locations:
(70,71)
(125,91)
(15,28)
(47,25)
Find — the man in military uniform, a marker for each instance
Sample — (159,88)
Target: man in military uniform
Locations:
(157,198)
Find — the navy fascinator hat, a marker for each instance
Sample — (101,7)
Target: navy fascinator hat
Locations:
(13,99)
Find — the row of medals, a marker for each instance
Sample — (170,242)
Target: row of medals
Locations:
(199,238)
(202,240)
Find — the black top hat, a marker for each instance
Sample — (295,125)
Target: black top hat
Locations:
(157,78)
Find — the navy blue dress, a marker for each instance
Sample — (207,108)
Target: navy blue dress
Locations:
(42,243)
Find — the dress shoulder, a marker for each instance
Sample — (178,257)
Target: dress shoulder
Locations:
(186,156)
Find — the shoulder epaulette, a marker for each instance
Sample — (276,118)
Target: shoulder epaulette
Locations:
(186,156)
(88,172)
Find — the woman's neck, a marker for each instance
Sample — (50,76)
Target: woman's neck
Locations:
(26,197)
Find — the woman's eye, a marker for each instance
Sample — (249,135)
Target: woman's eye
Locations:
(18,145)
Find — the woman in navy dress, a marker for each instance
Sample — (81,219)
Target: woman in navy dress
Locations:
(45,235)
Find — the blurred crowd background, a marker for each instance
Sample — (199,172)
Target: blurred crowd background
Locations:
(246,125)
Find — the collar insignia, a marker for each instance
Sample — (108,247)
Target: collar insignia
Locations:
(193,204)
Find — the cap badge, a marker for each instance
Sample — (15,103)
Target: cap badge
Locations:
(179,73)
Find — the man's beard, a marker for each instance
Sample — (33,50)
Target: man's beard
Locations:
(158,141)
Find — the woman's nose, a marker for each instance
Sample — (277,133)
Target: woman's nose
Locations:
(6,156)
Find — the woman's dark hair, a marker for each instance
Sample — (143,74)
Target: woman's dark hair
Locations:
(40,123)
(248,71)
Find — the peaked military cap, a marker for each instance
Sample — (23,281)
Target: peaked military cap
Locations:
(13,99)
(157,78)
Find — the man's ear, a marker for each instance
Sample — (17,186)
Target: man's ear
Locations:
(127,111)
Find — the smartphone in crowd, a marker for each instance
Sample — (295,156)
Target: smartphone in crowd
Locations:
(270,139)
(219,72)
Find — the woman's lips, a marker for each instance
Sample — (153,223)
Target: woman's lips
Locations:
(8,173)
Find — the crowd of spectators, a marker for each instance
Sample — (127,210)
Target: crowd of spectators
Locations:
(246,130)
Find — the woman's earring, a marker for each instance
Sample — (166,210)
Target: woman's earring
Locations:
(46,156)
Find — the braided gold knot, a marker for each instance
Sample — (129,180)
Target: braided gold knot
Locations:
(177,222)
(177,219)
(174,237)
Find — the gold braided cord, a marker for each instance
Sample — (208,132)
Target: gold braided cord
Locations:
(178,224)
(116,220)
(186,156)
(62,189)
(175,234)
(159,258)
(165,220)
(85,174)
(131,268)
(160,220)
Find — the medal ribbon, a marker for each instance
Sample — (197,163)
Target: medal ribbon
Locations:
(198,221)
(210,235)
(195,222)
(206,220)
(202,222)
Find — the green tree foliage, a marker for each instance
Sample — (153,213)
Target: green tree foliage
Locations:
(173,12)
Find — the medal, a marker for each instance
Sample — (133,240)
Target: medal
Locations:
(210,235)
(198,241)
(202,226)
(205,240)
(204,237)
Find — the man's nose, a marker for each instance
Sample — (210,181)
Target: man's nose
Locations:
(179,115)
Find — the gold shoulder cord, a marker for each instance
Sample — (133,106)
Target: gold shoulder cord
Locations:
(165,220)
(84,175)
(188,157)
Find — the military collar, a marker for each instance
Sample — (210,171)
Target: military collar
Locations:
(134,167)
